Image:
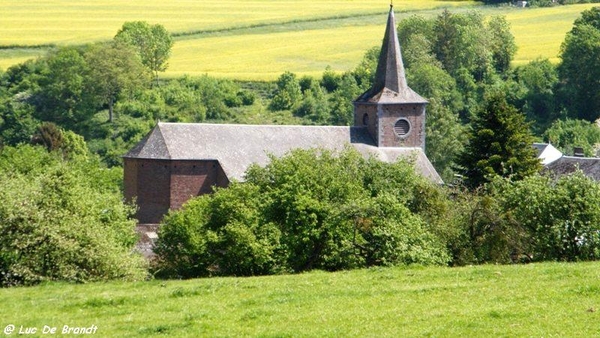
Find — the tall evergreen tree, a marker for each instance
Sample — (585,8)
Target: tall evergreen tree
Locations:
(500,144)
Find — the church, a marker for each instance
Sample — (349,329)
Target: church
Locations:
(177,161)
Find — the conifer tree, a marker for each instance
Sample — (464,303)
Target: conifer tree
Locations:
(500,144)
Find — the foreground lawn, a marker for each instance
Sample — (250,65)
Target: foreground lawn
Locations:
(537,300)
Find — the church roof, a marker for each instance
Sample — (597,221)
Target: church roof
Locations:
(237,146)
(390,79)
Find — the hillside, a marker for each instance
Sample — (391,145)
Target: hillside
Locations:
(257,40)
(549,300)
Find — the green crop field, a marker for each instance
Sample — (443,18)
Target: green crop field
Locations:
(255,40)
(536,300)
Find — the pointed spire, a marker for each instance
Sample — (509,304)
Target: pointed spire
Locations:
(390,69)
(390,79)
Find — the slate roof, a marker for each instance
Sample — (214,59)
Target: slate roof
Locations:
(590,166)
(390,79)
(237,146)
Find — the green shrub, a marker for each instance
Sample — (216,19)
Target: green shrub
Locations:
(220,234)
(539,218)
(307,210)
(561,217)
(61,221)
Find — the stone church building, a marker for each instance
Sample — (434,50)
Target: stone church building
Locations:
(177,161)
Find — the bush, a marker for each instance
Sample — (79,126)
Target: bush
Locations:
(218,235)
(308,210)
(537,219)
(62,221)
(561,217)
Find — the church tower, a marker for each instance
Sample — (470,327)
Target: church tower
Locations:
(392,112)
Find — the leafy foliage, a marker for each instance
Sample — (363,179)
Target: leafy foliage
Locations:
(288,92)
(314,105)
(539,80)
(62,221)
(308,210)
(559,217)
(65,92)
(152,42)
(568,134)
(115,70)
(580,67)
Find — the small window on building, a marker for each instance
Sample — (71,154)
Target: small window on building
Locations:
(402,127)
(366,119)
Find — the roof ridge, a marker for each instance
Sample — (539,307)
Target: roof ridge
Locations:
(158,129)
(252,125)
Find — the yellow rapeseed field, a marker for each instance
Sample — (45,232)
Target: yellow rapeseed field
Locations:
(34,22)
(539,32)
(256,39)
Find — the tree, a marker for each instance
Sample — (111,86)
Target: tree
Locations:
(539,78)
(152,42)
(502,43)
(56,139)
(364,73)
(568,134)
(330,80)
(48,135)
(580,67)
(115,69)
(462,42)
(416,37)
(341,107)
(288,92)
(474,52)
(314,105)
(445,134)
(499,144)
(63,97)
(559,218)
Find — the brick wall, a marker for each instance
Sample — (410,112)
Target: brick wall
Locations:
(389,114)
(193,178)
(381,119)
(160,185)
(370,110)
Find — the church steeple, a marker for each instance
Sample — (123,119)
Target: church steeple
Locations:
(390,79)
(392,112)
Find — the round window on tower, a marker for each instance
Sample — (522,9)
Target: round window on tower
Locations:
(366,119)
(402,127)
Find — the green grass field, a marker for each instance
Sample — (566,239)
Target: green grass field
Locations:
(537,300)
(255,40)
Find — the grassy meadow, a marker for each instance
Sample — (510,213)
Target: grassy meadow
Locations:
(536,300)
(255,40)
